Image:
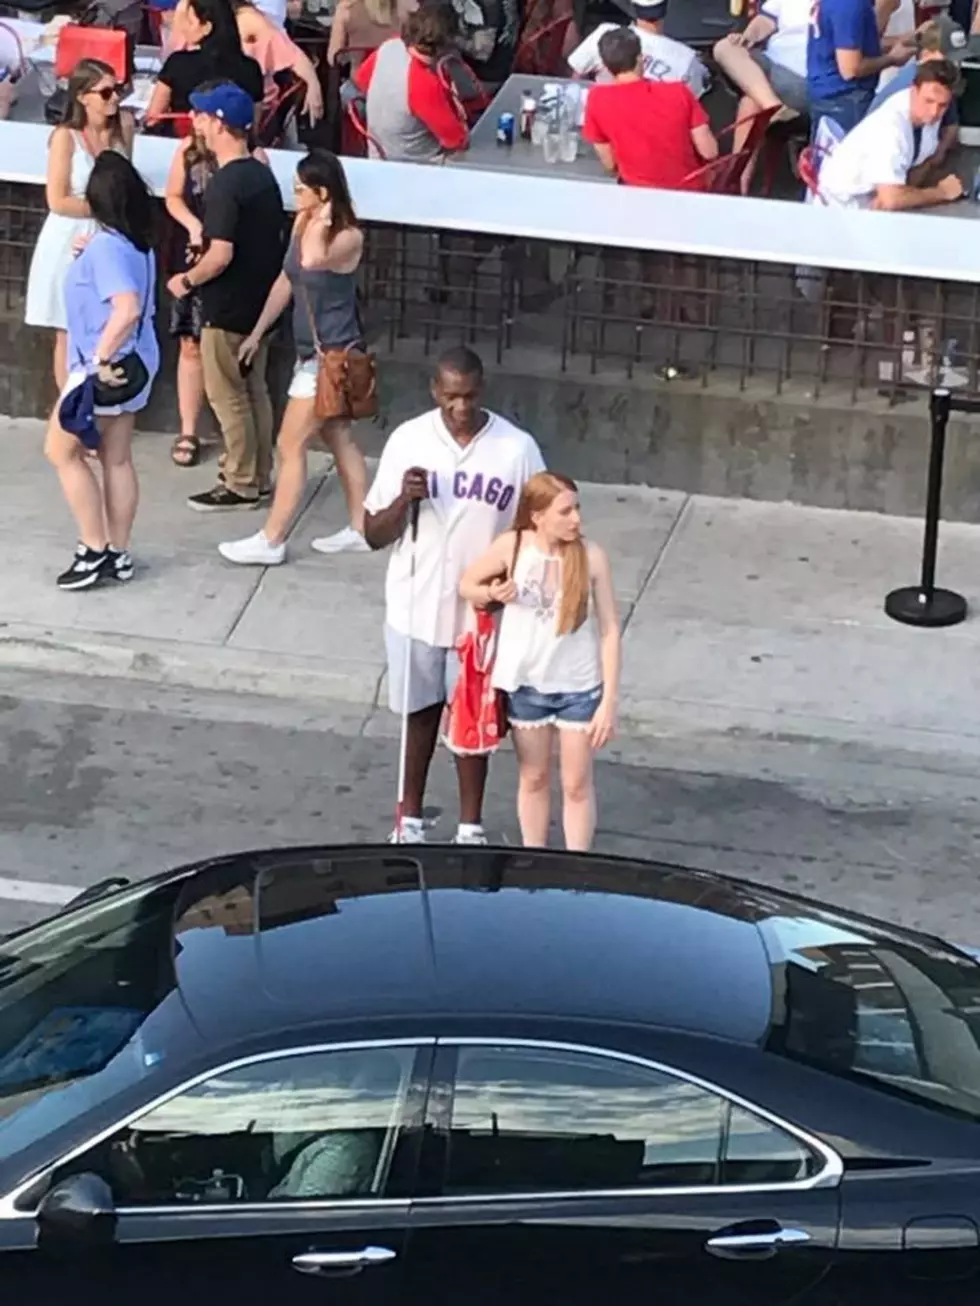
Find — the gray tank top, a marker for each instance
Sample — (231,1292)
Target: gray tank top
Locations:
(332,298)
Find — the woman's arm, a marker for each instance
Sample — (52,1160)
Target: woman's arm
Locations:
(319,253)
(173,198)
(123,319)
(487,580)
(277,301)
(57,190)
(610,645)
(159,106)
(286,55)
(339,32)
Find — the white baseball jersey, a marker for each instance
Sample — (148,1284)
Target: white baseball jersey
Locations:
(664,60)
(473,493)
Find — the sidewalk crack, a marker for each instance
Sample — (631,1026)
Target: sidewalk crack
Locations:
(658,560)
(230,633)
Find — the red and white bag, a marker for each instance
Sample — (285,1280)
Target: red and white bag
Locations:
(476,720)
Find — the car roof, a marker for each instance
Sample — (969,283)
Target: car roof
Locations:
(297,936)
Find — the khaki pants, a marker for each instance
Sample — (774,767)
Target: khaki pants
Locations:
(243,409)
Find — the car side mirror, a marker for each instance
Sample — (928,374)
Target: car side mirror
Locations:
(78,1211)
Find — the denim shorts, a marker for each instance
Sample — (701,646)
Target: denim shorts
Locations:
(302,383)
(526,707)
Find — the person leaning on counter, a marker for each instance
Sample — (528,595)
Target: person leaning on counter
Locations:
(213,53)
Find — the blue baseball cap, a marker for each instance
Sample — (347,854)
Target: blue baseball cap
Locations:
(228,102)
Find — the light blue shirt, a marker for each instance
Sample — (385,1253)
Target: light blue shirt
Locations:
(109,265)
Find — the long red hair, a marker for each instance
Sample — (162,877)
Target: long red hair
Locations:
(537,496)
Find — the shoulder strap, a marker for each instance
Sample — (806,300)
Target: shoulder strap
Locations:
(517,549)
(308,304)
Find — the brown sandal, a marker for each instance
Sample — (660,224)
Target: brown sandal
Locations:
(186,451)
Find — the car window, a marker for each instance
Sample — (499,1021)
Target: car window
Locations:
(866,1002)
(547,1120)
(320,1125)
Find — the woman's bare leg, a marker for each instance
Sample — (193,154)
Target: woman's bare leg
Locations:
(534,746)
(79,484)
(351,468)
(578,808)
(120,485)
(60,359)
(299,426)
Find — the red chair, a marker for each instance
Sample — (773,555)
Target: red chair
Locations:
(354,115)
(722,176)
(541,53)
(276,116)
(757,131)
(182,124)
(808,170)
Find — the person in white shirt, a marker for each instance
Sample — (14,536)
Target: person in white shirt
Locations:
(767,61)
(664,60)
(466,468)
(558,653)
(870,167)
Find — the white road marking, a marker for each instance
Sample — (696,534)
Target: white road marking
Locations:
(55,895)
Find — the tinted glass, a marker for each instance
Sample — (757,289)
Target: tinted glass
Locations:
(541,1120)
(878,1005)
(321,1125)
(758,1152)
(87,1009)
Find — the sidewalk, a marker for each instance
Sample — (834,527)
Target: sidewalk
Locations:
(741,618)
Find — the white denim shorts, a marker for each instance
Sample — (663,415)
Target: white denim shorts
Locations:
(302,384)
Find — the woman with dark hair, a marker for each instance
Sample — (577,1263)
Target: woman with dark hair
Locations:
(320,277)
(192,168)
(109,296)
(212,52)
(93,123)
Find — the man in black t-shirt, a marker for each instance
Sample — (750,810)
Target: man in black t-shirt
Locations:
(243,229)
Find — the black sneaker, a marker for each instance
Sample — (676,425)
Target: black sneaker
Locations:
(220,499)
(120,564)
(88,568)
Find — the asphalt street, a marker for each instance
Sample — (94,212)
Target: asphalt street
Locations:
(100,778)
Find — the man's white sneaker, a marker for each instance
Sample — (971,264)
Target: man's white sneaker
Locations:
(409,833)
(472,838)
(346,541)
(254,551)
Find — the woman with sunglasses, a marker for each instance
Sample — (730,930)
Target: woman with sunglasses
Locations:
(93,123)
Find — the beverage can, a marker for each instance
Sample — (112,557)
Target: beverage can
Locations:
(505,129)
(528,108)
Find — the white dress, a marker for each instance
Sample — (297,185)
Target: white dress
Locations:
(53,252)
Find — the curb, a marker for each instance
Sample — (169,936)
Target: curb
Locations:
(190,666)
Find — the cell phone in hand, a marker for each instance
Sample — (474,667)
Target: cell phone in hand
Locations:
(245,365)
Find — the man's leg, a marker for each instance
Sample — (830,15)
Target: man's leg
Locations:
(425,668)
(228,394)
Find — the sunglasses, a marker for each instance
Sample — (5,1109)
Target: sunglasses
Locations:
(106,93)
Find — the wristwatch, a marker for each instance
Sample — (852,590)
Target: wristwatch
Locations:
(97,362)
(186,282)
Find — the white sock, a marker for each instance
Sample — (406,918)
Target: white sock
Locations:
(465,831)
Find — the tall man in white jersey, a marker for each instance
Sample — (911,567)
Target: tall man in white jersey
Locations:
(466,467)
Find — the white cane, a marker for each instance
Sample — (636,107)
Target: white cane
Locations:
(407,681)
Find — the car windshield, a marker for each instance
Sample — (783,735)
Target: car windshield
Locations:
(81,1010)
(869,1002)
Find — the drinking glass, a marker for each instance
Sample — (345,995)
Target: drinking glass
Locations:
(551,146)
(568,146)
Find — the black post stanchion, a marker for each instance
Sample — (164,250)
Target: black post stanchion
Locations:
(924,604)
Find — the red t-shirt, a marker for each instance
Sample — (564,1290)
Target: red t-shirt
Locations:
(648,126)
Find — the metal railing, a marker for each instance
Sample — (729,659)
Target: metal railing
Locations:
(760,327)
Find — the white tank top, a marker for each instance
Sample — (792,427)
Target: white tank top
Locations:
(530,652)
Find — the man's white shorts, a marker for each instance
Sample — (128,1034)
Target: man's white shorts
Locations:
(432,676)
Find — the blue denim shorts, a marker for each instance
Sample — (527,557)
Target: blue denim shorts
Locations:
(573,711)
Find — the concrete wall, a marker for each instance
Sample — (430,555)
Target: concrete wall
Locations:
(678,435)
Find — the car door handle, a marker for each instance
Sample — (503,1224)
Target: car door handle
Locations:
(327,1262)
(754,1246)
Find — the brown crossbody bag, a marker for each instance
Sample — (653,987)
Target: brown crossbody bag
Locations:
(346,379)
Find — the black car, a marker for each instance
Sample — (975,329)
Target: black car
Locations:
(363,1076)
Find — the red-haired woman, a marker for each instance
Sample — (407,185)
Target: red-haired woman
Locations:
(558,652)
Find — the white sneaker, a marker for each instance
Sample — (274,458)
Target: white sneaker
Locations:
(409,834)
(471,838)
(346,541)
(254,551)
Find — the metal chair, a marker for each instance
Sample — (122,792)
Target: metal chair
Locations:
(808,171)
(277,116)
(541,53)
(722,176)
